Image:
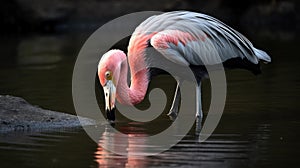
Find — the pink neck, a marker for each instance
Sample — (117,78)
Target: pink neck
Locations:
(138,69)
(139,83)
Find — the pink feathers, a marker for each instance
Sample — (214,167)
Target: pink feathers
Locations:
(110,61)
(162,39)
(115,61)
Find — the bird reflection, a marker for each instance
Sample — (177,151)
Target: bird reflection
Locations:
(128,149)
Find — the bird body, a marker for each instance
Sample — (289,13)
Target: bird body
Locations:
(185,38)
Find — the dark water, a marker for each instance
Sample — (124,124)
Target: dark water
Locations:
(259,127)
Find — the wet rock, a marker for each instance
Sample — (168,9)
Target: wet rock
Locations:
(16,114)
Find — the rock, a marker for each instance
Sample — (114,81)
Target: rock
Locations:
(16,114)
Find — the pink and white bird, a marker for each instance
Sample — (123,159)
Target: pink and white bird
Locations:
(185,38)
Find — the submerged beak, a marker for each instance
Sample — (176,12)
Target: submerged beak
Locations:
(110,98)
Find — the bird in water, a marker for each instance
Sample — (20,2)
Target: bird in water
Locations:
(184,38)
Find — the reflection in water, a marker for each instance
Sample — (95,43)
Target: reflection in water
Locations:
(125,144)
(225,149)
(73,148)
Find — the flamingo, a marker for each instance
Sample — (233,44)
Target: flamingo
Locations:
(176,36)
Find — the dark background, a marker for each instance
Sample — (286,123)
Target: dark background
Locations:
(39,43)
(23,16)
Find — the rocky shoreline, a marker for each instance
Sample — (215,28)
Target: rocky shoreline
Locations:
(16,114)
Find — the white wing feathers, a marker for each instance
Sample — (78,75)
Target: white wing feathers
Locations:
(194,38)
(184,49)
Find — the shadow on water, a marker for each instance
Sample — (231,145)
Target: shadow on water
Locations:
(259,128)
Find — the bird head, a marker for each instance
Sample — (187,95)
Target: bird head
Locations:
(108,73)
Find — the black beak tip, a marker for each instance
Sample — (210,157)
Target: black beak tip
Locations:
(110,114)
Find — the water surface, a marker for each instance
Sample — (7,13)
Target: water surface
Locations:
(259,127)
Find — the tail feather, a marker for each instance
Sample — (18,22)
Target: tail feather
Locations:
(262,55)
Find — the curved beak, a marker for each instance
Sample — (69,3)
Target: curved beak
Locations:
(110,98)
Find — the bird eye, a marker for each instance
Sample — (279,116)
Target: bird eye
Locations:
(108,75)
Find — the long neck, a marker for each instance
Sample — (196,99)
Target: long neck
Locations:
(139,81)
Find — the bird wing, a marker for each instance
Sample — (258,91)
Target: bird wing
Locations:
(185,49)
(197,39)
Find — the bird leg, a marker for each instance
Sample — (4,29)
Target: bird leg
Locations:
(174,108)
(175,105)
(199,113)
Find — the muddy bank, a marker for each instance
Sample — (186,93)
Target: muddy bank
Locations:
(16,114)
